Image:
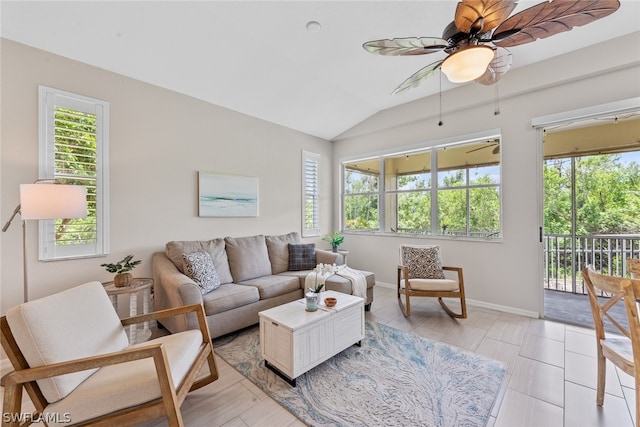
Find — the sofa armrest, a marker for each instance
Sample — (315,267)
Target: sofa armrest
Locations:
(328,257)
(173,289)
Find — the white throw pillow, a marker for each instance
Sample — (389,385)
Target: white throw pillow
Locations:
(199,267)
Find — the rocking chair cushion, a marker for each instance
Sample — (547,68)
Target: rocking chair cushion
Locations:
(446,285)
(47,332)
(423,262)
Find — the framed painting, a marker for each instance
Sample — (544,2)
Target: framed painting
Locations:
(227,195)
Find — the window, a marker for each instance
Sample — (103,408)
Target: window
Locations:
(448,190)
(73,142)
(310,194)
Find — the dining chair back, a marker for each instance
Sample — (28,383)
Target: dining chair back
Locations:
(623,348)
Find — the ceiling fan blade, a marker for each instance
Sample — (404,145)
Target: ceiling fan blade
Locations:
(497,68)
(406,46)
(492,12)
(418,77)
(546,19)
(485,146)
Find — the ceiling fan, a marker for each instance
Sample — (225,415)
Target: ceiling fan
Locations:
(476,41)
(494,144)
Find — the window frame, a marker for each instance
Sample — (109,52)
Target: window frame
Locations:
(310,157)
(48,99)
(433,148)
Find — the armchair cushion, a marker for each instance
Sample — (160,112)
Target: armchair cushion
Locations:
(199,267)
(47,332)
(124,385)
(422,262)
(432,285)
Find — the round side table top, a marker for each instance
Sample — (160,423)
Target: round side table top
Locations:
(137,284)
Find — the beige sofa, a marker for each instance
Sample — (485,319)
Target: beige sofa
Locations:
(253,273)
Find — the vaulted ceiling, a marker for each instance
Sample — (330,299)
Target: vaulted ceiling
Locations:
(259,58)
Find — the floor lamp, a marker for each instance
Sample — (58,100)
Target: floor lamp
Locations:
(46,201)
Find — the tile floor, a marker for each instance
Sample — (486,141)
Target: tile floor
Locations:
(550,381)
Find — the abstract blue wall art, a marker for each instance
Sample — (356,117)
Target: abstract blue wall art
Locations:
(227,195)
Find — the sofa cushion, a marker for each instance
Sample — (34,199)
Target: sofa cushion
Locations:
(278,247)
(302,257)
(129,384)
(229,296)
(248,257)
(47,332)
(215,247)
(273,286)
(199,267)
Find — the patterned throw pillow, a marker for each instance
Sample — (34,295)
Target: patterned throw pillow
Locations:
(302,257)
(199,267)
(423,262)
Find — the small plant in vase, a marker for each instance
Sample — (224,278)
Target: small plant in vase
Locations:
(335,240)
(121,270)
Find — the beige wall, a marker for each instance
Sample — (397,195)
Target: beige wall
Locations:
(506,274)
(158,141)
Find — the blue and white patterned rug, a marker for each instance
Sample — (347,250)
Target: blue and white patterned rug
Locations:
(394,379)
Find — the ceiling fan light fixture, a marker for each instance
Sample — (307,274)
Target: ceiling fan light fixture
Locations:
(467,64)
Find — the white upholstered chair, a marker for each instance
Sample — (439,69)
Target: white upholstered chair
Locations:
(421,274)
(72,355)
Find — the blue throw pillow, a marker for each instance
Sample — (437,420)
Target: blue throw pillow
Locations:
(302,257)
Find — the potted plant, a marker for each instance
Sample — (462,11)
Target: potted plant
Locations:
(121,269)
(335,240)
(312,296)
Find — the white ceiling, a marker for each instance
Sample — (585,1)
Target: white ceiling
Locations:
(258,58)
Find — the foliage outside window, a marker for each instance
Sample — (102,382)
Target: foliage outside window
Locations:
(451,190)
(73,147)
(606,194)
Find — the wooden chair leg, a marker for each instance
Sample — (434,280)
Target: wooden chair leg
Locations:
(602,375)
(637,401)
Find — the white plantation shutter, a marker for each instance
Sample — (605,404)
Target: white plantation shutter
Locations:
(310,194)
(73,145)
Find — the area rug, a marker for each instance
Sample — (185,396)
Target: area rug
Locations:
(394,379)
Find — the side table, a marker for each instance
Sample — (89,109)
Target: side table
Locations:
(138,286)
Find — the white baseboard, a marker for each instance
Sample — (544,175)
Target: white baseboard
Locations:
(481,304)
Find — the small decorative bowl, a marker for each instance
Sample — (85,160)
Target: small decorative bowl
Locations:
(330,301)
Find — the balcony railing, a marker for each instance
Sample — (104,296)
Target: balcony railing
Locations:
(565,257)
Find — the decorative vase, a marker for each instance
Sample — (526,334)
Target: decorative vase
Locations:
(334,249)
(122,280)
(312,301)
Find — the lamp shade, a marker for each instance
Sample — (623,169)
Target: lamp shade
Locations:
(467,64)
(51,201)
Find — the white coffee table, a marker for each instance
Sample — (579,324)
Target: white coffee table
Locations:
(293,340)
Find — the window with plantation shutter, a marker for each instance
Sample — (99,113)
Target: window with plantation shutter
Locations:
(310,194)
(73,142)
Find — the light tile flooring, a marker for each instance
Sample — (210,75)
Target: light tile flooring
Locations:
(550,381)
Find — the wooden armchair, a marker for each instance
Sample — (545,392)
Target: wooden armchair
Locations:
(622,350)
(71,353)
(421,274)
